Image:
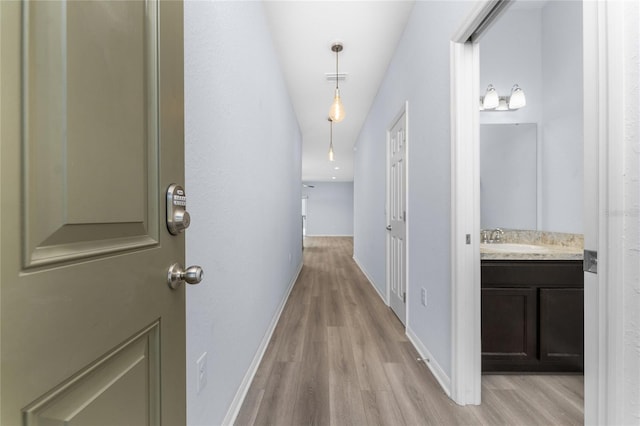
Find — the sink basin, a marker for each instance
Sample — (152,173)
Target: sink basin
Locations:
(513,248)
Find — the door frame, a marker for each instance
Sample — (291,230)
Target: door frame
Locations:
(404,110)
(606,76)
(604,148)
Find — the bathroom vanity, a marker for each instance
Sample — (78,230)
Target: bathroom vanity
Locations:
(532,304)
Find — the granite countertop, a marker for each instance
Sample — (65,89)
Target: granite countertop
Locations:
(534,245)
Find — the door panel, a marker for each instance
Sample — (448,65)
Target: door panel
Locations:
(396,246)
(561,314)
(127,378)
(74,140)
(92,134)
(508,326)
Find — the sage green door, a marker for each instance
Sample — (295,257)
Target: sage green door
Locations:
(91,128)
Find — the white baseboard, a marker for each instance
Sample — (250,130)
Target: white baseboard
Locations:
(434,367)
(430,361)
(329,235)
(366,274)
(236,404)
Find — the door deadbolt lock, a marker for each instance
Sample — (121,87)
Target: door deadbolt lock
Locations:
(178,275)
(178,218)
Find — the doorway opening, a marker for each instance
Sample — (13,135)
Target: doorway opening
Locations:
(466,202)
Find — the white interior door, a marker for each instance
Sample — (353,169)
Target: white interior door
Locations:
(396,217)
(91,127)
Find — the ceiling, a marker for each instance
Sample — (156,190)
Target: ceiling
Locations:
(303,32)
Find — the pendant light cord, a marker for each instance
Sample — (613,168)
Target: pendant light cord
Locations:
(337,69)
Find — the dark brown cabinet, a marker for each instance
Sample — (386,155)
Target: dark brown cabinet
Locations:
(532,316)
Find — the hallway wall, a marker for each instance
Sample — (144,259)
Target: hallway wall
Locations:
(243,157)
(419,73)
(329,208)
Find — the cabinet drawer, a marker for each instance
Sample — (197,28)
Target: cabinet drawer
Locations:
(542,273)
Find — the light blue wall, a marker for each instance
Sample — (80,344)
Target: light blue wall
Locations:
(243,157)
(419,73)
(329,208)
(562,122)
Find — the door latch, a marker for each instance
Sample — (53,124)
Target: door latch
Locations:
(590,262)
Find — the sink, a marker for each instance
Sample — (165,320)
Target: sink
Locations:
(513,248)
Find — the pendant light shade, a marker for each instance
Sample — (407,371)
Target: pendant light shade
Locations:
(336,112)
(337,109)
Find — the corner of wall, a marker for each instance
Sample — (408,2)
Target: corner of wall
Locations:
(379,289)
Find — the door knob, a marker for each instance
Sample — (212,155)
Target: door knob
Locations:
(389,228)
(178,218)
(178,275)
(180,221)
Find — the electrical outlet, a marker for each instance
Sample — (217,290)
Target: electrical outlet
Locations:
(201,363)
(423,296)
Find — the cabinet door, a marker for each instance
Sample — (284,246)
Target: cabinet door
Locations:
(508,328)
(561,326)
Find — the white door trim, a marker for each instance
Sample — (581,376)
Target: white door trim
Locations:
(604,187)
(605,133)
(465,205)
(465,208)
(404,110)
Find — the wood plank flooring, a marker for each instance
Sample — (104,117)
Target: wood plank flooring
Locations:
(339,356)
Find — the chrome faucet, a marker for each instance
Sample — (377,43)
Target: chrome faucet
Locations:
(496,235)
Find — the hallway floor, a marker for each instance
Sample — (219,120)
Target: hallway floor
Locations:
(339,356)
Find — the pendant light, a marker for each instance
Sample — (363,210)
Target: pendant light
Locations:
(336,112)
(331,155)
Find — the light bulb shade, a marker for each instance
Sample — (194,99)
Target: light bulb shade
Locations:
(517,98)
(491,99)
(331,155)
(336,112)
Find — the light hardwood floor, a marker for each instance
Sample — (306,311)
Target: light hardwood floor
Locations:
(339,356)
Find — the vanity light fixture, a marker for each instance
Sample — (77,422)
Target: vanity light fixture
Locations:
(492,102)
(331,154)
(336,112)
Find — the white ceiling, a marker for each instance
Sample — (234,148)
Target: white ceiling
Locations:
(303,32)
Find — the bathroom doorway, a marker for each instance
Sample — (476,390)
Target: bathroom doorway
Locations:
(598,24)
(531,187)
